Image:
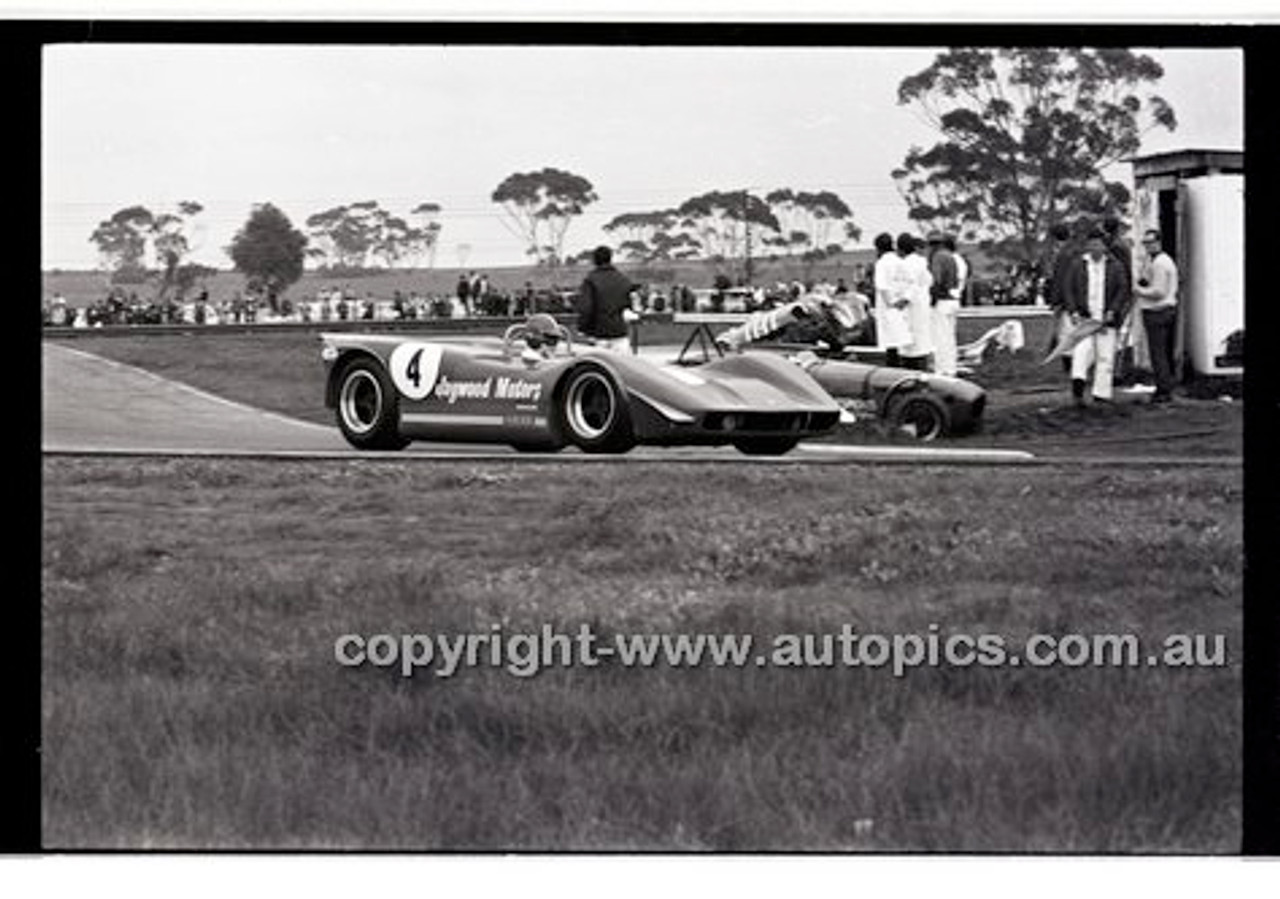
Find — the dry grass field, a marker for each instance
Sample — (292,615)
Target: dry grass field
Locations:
(191,697)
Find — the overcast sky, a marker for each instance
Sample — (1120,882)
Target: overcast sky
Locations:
(307,128)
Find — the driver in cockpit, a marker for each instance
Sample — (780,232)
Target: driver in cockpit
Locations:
(542,333)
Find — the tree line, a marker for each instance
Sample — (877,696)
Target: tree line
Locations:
(1026,135)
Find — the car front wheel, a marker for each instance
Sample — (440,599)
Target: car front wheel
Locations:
(594,412)
(367,409)
(919,415)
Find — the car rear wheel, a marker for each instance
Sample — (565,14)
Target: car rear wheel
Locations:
(368,413)
(766,446)
(594,413)
(919,415)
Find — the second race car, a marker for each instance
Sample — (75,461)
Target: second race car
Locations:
(809,333)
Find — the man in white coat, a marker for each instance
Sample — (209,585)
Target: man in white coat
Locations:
(917,282)
(893,330)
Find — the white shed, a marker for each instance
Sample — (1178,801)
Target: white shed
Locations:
(1195,198)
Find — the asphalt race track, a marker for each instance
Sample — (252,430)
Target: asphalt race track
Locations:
(96,406)
(93,404)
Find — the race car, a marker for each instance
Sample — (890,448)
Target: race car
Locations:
(809,332)
(538,389)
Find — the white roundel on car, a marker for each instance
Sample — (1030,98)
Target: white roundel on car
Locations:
(414,368)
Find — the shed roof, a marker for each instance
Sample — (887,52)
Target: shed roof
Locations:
(1188,163)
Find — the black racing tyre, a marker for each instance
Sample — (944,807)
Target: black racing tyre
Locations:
(766,446)
(593,411)
(919,414)
(367,408)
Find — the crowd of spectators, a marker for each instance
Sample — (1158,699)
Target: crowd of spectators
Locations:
(1115,307)
(476,296)
(326,305)
(120,308)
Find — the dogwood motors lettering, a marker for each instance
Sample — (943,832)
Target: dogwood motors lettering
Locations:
(452,391)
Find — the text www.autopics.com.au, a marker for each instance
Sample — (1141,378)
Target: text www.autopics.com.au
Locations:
(526,653)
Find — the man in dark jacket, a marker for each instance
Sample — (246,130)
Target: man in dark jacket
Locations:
(1118,246)
(603,298)
(1059,260)
(1096,294)
(464,293)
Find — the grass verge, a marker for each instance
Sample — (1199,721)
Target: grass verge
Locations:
(191,698)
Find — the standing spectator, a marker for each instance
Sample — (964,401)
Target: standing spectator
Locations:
(917,282)
(1056,265)
(474,307)
(116,307)
(603,298)
(943,293)
(684,299)
(1118,246)
(58,311)
(1157,296)
(893,330)
(464,292)
(962,270)
(1095,290)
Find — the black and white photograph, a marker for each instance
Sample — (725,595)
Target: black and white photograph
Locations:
(642,441)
